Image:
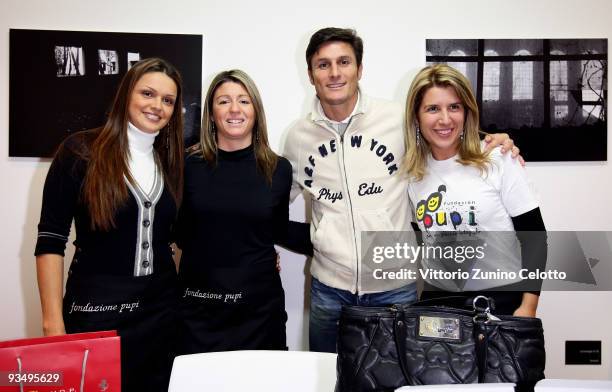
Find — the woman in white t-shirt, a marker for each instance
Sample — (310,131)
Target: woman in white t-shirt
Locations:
(473,208)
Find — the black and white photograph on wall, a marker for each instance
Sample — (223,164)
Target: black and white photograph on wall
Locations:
(76,74)
(69,61)
(550,95)
(132,58)
(108,62)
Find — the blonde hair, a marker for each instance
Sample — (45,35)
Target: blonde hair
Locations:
(470,153)
(265,158)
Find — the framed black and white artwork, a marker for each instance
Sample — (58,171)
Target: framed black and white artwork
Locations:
(550,95)
(62,82)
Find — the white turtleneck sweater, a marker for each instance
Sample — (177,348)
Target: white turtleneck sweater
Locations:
(142,162)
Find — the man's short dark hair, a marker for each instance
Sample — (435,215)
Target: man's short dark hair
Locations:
(332,34)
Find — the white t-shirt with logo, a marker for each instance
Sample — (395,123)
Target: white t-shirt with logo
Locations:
(473,208)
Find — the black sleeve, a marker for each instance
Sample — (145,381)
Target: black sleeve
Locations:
(282,179)
(531,234)
(60,197)
(180,228)
(298,238)
(294,236)
(183,226)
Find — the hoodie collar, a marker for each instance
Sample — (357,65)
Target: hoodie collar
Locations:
(317,114)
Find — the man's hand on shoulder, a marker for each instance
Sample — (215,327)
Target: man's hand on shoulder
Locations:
(493,140)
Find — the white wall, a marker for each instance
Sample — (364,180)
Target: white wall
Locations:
(268,39)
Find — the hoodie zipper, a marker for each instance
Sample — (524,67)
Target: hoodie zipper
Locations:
(348,193)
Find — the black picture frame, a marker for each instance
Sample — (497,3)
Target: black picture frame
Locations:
(62,82)
(549,95)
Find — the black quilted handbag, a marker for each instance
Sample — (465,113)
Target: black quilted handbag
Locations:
(381,349)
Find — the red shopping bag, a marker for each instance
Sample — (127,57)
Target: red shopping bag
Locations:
(67,363)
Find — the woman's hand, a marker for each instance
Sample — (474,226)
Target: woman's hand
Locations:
(54,328)
(528,307)
(525,311)
(278,267)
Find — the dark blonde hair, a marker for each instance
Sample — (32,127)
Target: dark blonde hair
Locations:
(470,153)
(265,158)
(104,188)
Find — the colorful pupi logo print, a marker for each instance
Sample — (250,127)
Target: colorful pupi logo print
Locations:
(427,210)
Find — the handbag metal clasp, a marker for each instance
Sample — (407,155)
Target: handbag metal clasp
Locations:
(483,313)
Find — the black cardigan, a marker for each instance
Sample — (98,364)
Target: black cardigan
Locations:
(137,245)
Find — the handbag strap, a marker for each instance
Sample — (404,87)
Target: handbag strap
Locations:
(481,338)
(399,332)
(455,301)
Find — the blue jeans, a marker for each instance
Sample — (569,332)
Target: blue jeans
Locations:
(326,303)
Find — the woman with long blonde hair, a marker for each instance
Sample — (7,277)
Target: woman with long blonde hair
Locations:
(236,207)
(455,186)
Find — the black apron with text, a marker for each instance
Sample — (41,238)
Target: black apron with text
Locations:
(141,309)
(225,309)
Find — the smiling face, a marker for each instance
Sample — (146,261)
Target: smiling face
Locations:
(433,201)
(335,75)
(152,102)
(441,117)
(234,116)
(420,210)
